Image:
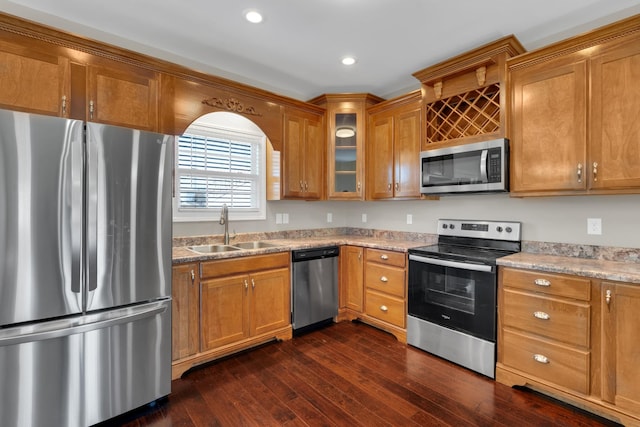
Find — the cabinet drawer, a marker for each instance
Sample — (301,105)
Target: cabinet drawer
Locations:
(560,320)
(552,284)
(397,259)
(385,279)
(554,363)
(241,265)
(385,308)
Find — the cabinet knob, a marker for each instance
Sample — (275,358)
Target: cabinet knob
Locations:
(306,186)
(384,308)
(359,186)
(384,257)
(579,172)
(595,171)
(541,315)
(246,285)
(540,358)
(542,282)
(91,109)
(64,104)
(253,283)
(301,186)
(384,279)
(607,296)
(389,187)
(193,276)
(397,187)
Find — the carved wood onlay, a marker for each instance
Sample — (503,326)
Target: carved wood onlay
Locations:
(231,104)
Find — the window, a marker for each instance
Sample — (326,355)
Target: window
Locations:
(219,163)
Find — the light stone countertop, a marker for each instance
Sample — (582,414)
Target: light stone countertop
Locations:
(593,268)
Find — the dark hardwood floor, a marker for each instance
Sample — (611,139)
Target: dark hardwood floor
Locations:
(348,374)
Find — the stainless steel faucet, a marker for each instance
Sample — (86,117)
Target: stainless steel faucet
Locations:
(224,220)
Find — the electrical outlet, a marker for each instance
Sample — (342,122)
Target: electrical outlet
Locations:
(364,218)
(285,218)
(329,217)
(409,219)
(594,226)
(278,218)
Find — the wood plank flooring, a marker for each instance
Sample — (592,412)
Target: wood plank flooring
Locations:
(347,374)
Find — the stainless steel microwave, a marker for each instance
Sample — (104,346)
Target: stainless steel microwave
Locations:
(469,168)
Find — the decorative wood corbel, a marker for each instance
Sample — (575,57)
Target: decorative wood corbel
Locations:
(437,89)
(481,75)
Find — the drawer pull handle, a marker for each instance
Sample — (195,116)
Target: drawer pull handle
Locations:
(542,282)
(384,308)
(607,297)
(384,257)
(384,279)
(541,315)
(541,358)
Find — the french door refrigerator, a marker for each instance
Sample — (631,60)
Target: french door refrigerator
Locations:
(85,270)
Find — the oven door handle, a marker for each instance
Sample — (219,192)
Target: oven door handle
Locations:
(454,264)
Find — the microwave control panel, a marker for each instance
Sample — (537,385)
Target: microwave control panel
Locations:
(494,172)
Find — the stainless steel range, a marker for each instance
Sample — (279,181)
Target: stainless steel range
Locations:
(452,291)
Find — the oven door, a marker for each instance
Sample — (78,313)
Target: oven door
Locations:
(457,295)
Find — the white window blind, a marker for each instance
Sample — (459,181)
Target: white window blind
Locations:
(216,167)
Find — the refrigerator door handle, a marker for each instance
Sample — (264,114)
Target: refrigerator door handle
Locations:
(59,329)
(74,192)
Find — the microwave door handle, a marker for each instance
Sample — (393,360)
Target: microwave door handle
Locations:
(483,165)
(453,264)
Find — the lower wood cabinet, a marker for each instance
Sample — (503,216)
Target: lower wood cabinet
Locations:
(239,303)
(573,338)
(373,288)
(185,311)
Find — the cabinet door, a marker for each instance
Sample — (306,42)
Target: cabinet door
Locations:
(407,153)
(224,311)
(124,96)
(621,346)
(293,167)
(270,300)
(379,155)
(32,80)
(314,154)
(615,130)
(352,277)
(345,162)
(548,144)
(185,306)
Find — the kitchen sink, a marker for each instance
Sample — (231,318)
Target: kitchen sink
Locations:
(209,249)
(259,244)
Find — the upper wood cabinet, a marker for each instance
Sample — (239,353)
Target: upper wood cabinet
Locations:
(304,155)
(573,115)
(33,78)
(464,97)
(393,149)
(122,95)
(346,124)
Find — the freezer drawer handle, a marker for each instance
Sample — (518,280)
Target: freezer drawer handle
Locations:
(135,314)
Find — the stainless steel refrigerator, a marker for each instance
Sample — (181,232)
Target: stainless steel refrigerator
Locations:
(85,270)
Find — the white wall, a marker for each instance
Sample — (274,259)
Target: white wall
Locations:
(546,219)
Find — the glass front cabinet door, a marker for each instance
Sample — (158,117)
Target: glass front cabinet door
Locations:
(346,142)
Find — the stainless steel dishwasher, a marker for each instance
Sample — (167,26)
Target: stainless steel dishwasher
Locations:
(314,287)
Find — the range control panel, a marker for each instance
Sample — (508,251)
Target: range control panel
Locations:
(497,230)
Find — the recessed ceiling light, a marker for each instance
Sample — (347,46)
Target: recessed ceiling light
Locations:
(348,60)
(253,16)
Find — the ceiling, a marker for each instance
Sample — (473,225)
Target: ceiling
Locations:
(296,50)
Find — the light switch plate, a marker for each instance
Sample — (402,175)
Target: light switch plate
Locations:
(409,219)
(364,218)
(285,218)
(278,218)
(329,217)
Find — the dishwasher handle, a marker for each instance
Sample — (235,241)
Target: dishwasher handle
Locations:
(314,253)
